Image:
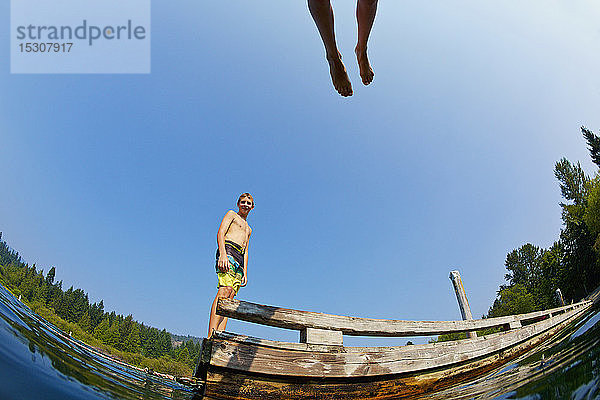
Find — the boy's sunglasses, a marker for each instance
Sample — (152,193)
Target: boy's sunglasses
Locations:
(246,202)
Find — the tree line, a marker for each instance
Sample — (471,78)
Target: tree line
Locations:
(73,305)
(572,263)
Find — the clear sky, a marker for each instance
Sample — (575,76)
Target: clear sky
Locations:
(363,204)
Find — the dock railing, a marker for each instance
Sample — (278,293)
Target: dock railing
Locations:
(319,328)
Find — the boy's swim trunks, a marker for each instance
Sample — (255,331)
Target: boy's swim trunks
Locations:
(234,276)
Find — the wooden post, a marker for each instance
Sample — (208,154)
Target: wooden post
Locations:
(559,297)
(461,296)
(514,324)
(321,336)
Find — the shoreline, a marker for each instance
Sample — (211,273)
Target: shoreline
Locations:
(93,350)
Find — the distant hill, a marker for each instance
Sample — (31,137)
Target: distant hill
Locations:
(179,339)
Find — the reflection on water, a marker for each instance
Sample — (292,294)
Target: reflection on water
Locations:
(565,367)
(37,361)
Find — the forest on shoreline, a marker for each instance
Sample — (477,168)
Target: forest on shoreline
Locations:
(71,311)
(571,264)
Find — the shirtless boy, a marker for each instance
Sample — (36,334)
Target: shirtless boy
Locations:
(322,14)
(232,257)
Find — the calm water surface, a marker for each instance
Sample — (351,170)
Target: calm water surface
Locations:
(38,362)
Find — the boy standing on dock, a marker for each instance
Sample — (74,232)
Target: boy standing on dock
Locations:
(232,257)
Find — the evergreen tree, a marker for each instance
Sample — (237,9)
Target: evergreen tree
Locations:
(132,342)
(85,322)
(152,345)
(50,276)
(101,331)
(183,355)
(125,328)
(591,215)
(96,312)
(114,337)
(164,343)
(579,276)
(593,144)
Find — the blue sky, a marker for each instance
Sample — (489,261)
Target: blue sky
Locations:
(363,205)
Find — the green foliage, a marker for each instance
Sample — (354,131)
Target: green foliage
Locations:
(573,181)
(183,355)
(50,276)
(71,311)
(524,266)
(551,270)
(85,322)
(573,262)
(101,331)
(114,336)
(132,343)
(593,144)
(512,300)
(446,337)
(591,215)
(580,273)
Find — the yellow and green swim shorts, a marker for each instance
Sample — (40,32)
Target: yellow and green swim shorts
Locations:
(233,277)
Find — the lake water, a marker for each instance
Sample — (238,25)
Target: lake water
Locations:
(38,362)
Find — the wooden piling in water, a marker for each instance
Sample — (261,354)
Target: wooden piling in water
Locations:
(461,296)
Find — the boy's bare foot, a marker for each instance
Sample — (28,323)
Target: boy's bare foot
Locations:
(366,72)
(339,76)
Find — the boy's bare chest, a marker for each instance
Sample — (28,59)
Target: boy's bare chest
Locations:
(238,226)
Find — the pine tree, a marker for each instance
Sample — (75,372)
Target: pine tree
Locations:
(85,322)
(101,331)
(164,342)
(114,336)
(152,346)
(132,342)
(593,144)
(183,355)
(50,276)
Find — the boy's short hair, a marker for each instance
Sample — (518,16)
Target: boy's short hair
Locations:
(248,195)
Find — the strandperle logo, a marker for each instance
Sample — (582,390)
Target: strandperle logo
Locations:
(80,37)
(85,31)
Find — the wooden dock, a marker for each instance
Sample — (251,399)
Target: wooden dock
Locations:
(320,367)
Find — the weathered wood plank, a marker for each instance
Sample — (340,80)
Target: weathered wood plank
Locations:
(298,320)
(293,359)
(227,384)
(327,348)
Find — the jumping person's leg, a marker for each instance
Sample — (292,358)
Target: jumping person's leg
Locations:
(322,14)
(365,15)
(216,320)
